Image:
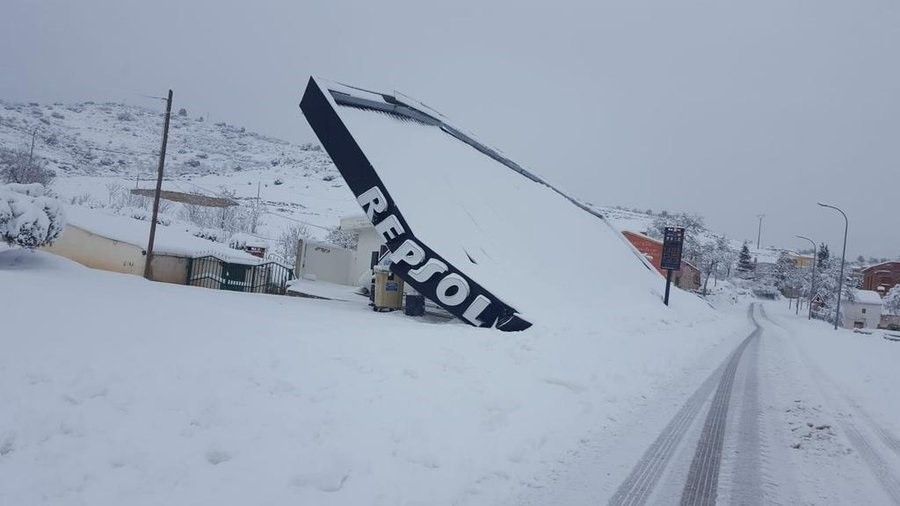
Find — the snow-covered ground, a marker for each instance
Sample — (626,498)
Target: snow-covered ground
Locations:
(834,393)
(145,393)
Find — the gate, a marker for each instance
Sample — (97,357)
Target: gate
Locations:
(212,272)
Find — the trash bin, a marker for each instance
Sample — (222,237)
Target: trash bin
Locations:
(415,305)
(388,291)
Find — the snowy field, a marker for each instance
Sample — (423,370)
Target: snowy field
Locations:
(122,391)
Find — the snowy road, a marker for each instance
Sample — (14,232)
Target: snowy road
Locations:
(790,416)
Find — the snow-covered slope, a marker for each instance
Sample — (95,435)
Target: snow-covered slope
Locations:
(116,139)
(93,146)
(146,393)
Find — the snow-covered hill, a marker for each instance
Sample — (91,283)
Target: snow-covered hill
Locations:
(96,147)
(115,139)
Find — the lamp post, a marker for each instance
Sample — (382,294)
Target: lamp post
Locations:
(812,276)
(759,230)
(837,312)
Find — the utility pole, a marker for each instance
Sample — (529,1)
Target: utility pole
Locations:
(255,210)
(837,312)
(812,276)
(31,153)
(159,178)
(759,230)
(711,269)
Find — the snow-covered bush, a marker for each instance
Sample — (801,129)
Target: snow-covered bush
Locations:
(210,234)
(892,301)
(29,221)
(19,167)
(140,213)
(241,241)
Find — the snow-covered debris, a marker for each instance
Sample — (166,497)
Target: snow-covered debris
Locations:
(526,244)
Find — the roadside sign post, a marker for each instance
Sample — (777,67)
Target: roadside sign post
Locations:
(673,242)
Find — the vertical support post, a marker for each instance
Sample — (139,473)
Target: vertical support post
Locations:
(668,286)
(159,178)
(31,153)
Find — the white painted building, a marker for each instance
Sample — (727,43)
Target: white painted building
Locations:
(864,312)
(369,241)
(114,243)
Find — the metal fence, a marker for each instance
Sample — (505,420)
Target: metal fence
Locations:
(212,272)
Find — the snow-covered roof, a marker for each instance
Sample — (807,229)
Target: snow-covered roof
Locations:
(766,255)
(642,236)
(169,240)
(533,247)
(355,222)
(867,297)
(882,265)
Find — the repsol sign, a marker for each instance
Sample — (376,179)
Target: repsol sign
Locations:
(411,259)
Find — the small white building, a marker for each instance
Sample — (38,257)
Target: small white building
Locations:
(114,243)
(322,261)
(369,242)
(864,312)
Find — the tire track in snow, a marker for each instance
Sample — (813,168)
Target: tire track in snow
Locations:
(747,479)
(876,463)
(874,460)
(645,475)
(703,477)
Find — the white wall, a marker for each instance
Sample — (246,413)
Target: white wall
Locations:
(853,312)
(326,262)
(369,241)
(99,252)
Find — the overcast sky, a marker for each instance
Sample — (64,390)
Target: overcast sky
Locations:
(728,109)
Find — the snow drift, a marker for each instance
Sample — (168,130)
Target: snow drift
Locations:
(534,252)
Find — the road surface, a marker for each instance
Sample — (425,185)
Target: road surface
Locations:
(776,422)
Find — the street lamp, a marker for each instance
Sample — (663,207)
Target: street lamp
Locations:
(837,312)
(759,230)
(812,276)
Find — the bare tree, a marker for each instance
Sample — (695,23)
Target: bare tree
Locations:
(289,239)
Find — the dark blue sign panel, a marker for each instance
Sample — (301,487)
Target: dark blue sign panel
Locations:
(411,259)
(673,242)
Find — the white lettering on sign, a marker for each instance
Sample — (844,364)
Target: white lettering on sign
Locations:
(447,285)
(373,201)
(409,253)
(432,266)
(475,308)
(390,228)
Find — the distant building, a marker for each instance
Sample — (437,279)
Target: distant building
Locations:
(881,277)
(687,278)
(801,261)
(864,311)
